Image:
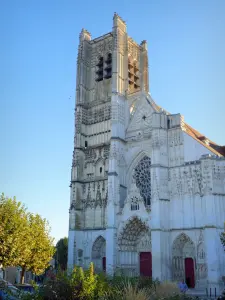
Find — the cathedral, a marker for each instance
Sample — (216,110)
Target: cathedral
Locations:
(147,189)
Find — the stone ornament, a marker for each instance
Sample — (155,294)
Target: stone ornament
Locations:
(134,198)
(134,230)
(182,247)
(134,50)
(98,248)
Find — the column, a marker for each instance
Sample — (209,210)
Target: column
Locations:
(110,251)
(111,225)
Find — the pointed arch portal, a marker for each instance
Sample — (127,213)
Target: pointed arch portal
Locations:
(98,254)
(134,245)
(183,256)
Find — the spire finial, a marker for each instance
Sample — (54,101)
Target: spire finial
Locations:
(85,35)
(119,22)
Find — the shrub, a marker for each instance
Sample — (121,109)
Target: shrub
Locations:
(146,282)
(165,290)
(127,291)
(102,286)
(132,292)
(86,285)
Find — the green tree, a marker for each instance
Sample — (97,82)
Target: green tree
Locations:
(222,239)
(38,249)
(13,218)
(61,254)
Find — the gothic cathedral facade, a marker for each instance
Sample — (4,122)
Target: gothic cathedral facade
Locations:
(147,190)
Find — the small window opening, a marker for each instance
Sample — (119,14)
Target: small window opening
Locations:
(86,144)
(134,206)
(133,76)
(168,123)
(99,70)
(108,66)
(80,252)
(100,169)
(132,109)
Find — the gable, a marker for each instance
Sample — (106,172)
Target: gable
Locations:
(140,115)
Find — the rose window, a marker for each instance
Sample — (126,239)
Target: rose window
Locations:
(142,175)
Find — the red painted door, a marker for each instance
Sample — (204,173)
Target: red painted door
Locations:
(104,264)
(189,272)
(146,264)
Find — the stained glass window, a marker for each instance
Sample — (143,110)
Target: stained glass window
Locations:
(142,174)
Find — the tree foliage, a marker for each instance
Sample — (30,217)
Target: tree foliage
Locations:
(25,239)
(222,239)
(13,218)
(39,248)
(61,253)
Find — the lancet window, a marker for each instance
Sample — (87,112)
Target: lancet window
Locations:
(134,203)
(134,206)
(99,69)
(133,75)
(108,66)
(104,67)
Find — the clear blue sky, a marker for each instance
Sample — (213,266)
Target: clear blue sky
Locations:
(39,40)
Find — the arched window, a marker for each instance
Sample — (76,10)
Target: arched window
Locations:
(99,69)
(133,75)
(168,123)
(142,175)
(134,206)
(108,66)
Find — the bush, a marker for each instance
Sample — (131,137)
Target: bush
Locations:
(86,285)
(80,285)
(130,291)
(165,290)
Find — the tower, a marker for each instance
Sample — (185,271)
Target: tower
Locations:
(147,189)
(109,69)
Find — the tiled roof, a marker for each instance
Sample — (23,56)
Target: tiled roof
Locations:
(213,147)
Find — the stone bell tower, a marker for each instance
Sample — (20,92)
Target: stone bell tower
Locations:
(109,69)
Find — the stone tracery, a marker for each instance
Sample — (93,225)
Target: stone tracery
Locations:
(98,248)
(133,231)
(134,238)
(142,175)
(183,247)
(201,265)
(134,198)
(98,251)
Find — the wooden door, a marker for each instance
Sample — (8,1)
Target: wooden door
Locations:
(146,264)
(189,272)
